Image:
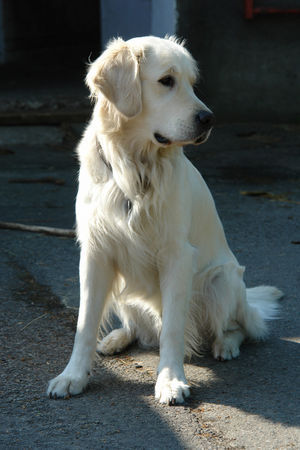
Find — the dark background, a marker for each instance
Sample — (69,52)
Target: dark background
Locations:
(250,68)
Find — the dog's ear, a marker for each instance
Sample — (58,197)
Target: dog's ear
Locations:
(116,75)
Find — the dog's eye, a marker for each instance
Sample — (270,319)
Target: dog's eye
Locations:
(167,81)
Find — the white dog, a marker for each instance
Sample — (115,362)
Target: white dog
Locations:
(152,245)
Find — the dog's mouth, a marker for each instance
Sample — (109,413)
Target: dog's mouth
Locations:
(161,139)
(202,138)
(196,141)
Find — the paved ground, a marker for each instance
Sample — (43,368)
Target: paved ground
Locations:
(251,403)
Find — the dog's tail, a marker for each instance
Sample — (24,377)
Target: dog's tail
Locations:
(262,305)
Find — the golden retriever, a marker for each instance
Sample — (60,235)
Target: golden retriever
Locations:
(153,248)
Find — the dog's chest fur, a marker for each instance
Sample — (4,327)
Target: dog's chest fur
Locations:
(123,210)
(132,233)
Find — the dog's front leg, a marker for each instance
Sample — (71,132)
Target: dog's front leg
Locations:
(176,288)
(96,275)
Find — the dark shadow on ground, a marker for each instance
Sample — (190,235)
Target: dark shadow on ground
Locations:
(264,381)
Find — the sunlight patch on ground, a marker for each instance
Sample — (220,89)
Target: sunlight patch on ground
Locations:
(291,339)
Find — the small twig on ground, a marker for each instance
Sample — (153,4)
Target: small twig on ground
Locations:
(37,318)
(64,232)
(270,196)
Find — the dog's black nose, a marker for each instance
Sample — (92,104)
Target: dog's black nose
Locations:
(205,119)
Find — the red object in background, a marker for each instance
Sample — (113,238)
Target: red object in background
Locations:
(250,10)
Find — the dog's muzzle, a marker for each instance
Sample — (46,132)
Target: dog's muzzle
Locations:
(203,123)
(205,120)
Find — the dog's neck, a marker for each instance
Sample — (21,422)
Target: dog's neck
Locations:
(140,173)
(127,201)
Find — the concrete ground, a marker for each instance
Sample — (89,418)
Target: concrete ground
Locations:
(248,403)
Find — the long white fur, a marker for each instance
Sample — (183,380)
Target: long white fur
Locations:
(163,266)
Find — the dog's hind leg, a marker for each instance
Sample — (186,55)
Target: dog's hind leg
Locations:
(227,346)
(236,313)
(139,323)
(116,341)
(225,295)
(259,305)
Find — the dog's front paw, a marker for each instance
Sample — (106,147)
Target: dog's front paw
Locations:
(67,384)
(170,388)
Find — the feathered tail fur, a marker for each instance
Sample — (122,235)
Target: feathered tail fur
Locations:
(263,306)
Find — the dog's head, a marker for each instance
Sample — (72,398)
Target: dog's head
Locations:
(150,84)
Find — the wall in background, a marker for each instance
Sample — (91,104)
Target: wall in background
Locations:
(132,18)
(250,68)
(55,29)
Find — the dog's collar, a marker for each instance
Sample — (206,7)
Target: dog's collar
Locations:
(128,202)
